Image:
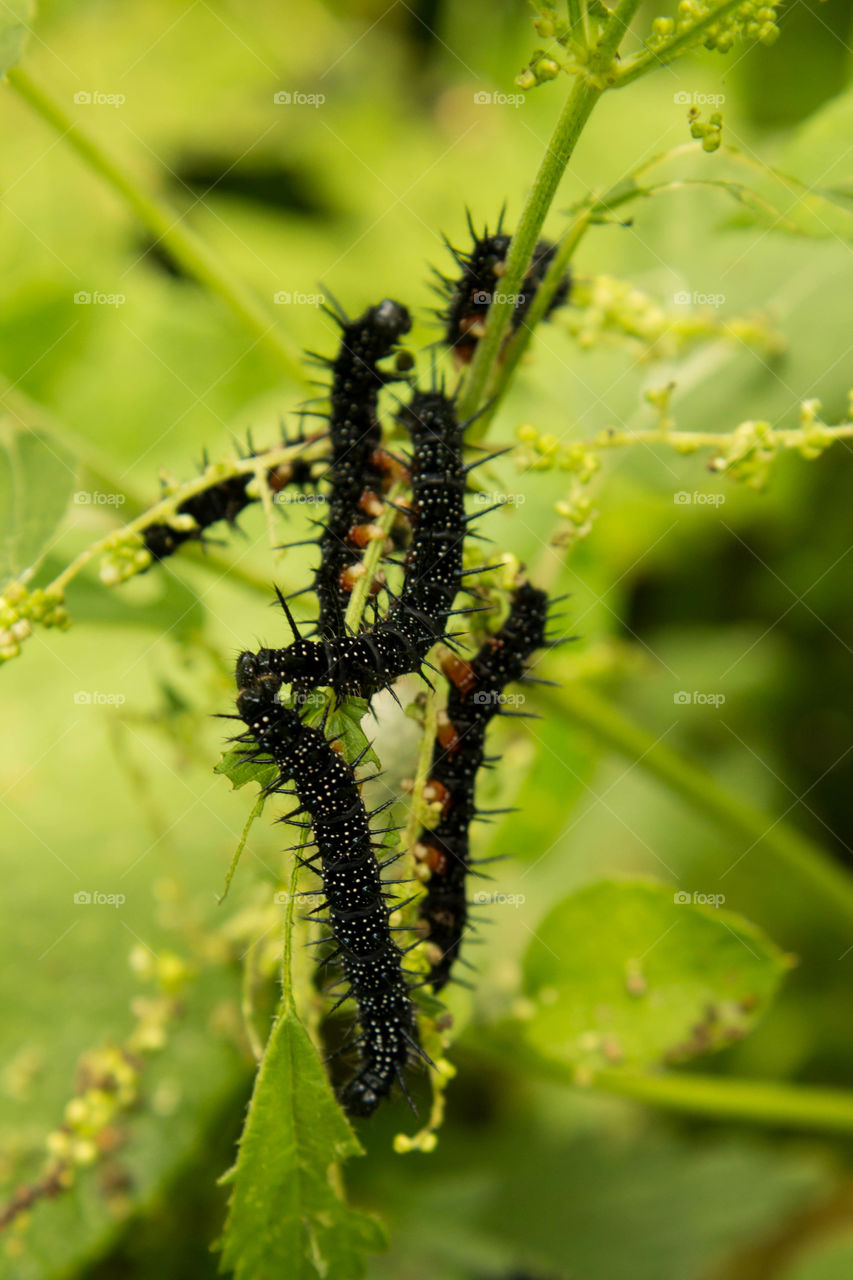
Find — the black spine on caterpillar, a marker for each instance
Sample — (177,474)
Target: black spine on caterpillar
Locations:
(475,696)
(417,617)
(469,294)
(355,467)
(223,500)
(352,883)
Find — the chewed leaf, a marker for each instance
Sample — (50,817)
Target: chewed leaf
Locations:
(286,1217)
(241,771)
(635,973)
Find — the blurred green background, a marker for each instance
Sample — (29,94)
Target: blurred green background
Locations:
(752,599)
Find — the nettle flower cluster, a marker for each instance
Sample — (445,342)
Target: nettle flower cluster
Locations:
(747,21)
(20,608)
(571,42)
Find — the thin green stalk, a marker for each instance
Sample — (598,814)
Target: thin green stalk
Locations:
(762,832)
(166,226)
(167,506)
(763,1102)
(574,116)
(288,1002)
(585,92)
(522,338)
(650,59)
(690,441)
(370,564)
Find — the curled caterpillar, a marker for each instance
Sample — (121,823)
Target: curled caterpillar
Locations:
(476,695)
(417,617)
(223,500)
(469,295)
(355,898)
(358,469)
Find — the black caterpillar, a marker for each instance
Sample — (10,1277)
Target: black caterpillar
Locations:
(359,470)
(475,696)
(470,294)
(223,500)
(417,616)
(356,901)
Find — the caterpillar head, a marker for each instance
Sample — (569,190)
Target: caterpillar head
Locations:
(362,1095)
(257,686)
(390,319)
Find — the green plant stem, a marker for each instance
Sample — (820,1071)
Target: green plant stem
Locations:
(765,834)
(574,116)
(167,506)
(370,563)
(650,59)
(522,338)
(585,92)
(690,441)
(763,1102)
(167,227)
(288,1001)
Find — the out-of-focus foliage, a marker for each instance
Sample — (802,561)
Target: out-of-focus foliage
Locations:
(106,764)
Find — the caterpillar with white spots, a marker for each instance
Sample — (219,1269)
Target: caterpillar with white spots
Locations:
(356,901)
(476,695)
(417,617)
(468,295)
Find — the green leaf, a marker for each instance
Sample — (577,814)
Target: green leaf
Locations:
(36,479)
(343,722)
(16,18)
(819,149)
(624,973)
(241,771)
(285,1215)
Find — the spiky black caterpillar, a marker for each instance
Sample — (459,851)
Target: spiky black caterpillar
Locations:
(417,617)
(475,696)
(481,270)
(223,500)
(358,913)
(358,469)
